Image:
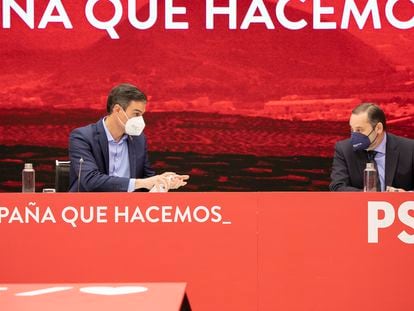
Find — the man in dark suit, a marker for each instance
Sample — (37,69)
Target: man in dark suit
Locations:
(393,155)
(111,155)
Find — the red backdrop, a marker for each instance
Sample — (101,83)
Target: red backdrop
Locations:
(290,251)
(240,110)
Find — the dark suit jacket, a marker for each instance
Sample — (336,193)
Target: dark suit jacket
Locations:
(348,165)
(91,144)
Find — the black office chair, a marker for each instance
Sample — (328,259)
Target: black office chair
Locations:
(62,176)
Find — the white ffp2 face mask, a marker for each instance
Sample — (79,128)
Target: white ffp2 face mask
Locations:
(134,126)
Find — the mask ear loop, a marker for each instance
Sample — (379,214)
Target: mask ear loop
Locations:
(124,124)
(125,113)
(375,136)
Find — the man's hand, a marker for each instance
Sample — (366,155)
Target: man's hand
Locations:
(163,182)
(150,182)
(392,189)
(175,181)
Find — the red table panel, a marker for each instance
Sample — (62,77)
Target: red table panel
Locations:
(314,254)
(218,260)
(236,251)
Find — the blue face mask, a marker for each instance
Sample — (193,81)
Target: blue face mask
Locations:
(361,141)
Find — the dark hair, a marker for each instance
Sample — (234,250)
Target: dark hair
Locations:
(122,95)
(375,114)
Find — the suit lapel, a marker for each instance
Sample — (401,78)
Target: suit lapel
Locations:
(103,142)
(391,159)
(132,157)
(361,158)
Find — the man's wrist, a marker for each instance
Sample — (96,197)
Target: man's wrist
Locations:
(139,184)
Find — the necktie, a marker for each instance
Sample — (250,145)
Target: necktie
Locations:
(371,158)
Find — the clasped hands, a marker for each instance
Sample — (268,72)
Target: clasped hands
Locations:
(392,189)
(162,182)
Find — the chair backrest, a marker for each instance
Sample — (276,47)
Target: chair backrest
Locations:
(62,176)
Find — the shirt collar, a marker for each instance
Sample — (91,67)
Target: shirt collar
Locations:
(109,136)
(381,148)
